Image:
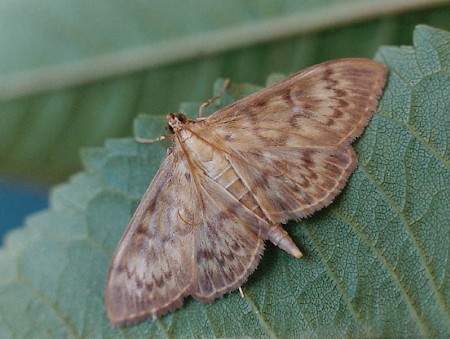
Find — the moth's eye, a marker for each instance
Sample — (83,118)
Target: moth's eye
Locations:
(169,129)
(181,117)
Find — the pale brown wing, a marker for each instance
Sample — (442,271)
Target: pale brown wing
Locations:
(229,244)
(290,143)
(290,184)
(323,106)
(152,269)
(188,236)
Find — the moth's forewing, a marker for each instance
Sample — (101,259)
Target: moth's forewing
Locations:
(290,142)
(151,270)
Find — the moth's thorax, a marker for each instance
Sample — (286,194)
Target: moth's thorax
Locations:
(185,136)
(217,166)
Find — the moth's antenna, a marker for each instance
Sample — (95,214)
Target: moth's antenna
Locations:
(208,102)
(150,141)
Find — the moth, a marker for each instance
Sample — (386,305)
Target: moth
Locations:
(231,179)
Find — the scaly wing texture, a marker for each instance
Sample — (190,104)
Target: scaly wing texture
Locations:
(229,245)
(291,184)
(323,106)
(281,153)
(290,143)
(152,269)
(189,236)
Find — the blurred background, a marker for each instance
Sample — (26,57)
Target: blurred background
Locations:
(73,73)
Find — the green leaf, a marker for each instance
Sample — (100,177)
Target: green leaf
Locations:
(73,73)
(376,261)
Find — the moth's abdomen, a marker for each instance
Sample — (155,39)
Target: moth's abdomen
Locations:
(226,176)
(230,180)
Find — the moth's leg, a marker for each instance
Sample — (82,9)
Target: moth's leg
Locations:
(279,237)
(208,102)
(150,141)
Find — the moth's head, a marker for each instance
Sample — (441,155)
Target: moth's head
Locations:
(175,122)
